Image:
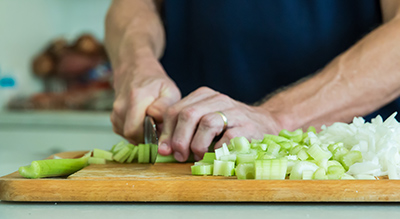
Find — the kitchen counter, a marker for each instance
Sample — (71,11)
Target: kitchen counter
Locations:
(30,136)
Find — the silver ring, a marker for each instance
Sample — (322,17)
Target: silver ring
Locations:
(224,119)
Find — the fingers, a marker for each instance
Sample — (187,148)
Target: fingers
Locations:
(210,126)
(167,98)
(177,138)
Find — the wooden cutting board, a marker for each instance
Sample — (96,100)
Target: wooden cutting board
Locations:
(174,183)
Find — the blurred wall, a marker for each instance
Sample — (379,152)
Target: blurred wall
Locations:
(26,26)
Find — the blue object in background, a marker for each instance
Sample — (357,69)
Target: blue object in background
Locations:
(7,82)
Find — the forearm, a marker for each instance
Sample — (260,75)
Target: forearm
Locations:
(356,83)
(134,31)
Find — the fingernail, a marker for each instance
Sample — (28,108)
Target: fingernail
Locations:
(178,156)
(163,147)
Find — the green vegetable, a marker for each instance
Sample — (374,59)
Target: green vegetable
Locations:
(350,158)
(96,160)
(202,169)
(295,136)
(52,168)
(98,153)
(224,168)
(245,171)
(270,169)
(144,153)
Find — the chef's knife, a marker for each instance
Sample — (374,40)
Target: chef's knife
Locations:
(150,137)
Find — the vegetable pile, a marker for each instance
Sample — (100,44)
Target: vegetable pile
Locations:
(359,150)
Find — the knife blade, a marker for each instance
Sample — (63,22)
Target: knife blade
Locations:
(150,137)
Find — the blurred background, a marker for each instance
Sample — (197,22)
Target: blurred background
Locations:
(55,79)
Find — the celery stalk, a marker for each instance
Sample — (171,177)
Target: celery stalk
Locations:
(204,169)
(271,169)
(122,154)
(245,171)
(144,153)
(133,154)
(245,158)
(316,152)
(224,168)
(350,158)
(295,136)
(241,144)
(208,157)
(52,168)
(102,154)
(96,160)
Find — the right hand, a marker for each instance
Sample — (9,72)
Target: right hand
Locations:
(140,90)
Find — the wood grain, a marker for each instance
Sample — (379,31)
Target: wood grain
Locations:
(174,183)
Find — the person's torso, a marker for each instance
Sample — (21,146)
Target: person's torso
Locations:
(248,49)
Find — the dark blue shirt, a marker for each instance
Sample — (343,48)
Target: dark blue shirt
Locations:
(248,49)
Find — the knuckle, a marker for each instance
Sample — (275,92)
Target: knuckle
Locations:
(178,145)
(188,113)
(204,89)
(171,111)
(231,133)
(207,122)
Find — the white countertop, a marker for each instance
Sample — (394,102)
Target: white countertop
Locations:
(21,141)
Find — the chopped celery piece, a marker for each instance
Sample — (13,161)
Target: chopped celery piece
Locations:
(332,147)
(98,153)
(339,152)
(208,157)
(323,163)
(245,158)
(265,156)
(259,146)
(133,154)
(245,171)
(274,149)
(52,168)
(241,144)
(153,152)
(204,169)
(274,138)
(271,169)
(166,159)
(96,160)
(224,168)
(335,172)
(320,174)
(302,155)
(144,153)
(229,157)
(307,174)
(122,154)
(295,136)
(333,163)
(312,129)
(350,158)
(287,145)
(295,150)
(221,151)
(118,147)
(316,152)
(299,167)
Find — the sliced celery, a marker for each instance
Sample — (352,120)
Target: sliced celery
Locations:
(245,171)
(287,145)
(299,167)
(153,152)
(259,146)
(241,144)
(335,172)
(339,152)
(295,150)
(320,174)
(332,147)
(307,174)
(224,168)
(204,169)
(144,153)
(271,169)
(350,158)
(274,149)
(347,176)
(133,154)
(166,159)
(229,157)
(316,152)
(52,168)
(295,136)
(274,138)
(221,151)
(122,154)
(118,147)
(98,153)
(96,160)
(265,156)
(302,155)
(208,157)
(245,158)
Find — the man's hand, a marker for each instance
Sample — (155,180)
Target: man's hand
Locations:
(192,123)
(140,90)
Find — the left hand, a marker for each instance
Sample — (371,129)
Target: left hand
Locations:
(192,123)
